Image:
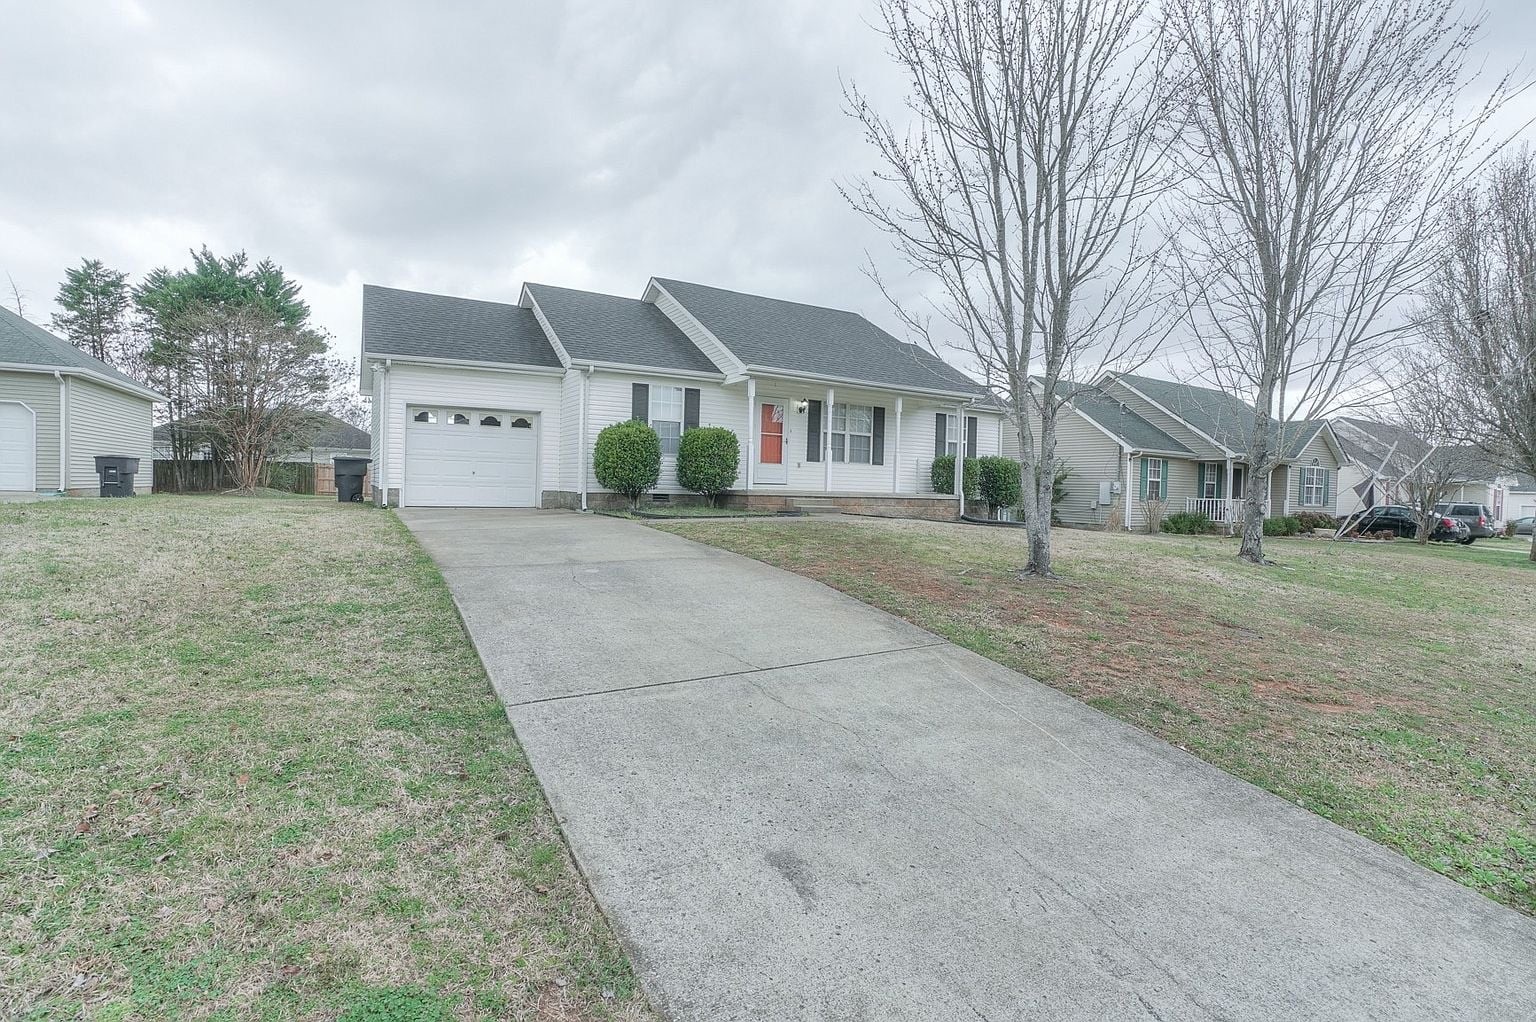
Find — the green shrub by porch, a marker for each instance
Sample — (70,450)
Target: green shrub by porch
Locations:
(942,476)
(627,458)
(707,460)
(1284,525)
(1000,480)
(1187,523)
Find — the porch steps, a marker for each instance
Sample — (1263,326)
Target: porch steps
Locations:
(815,506)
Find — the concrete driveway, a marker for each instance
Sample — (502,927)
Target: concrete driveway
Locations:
(795,806)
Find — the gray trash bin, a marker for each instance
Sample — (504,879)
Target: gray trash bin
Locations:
(116,472)
(349,478)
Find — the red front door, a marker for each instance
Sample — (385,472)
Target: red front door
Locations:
(770,441)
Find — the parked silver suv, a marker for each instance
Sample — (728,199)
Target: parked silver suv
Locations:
(1476,517)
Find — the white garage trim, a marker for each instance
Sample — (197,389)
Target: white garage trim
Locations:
(467,456)
(28,449)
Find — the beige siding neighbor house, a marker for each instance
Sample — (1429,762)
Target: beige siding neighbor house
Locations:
(497,404)
(1137,445)
(60,408)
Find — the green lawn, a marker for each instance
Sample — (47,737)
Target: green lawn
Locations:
(1388,687)
(252,768)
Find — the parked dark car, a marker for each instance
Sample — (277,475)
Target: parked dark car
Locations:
(1476,517)
(1403,523)
(1524,526)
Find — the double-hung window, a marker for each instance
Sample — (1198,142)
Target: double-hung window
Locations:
(1312,487)
(853,433)
(667,417)
(1154,478)
(1211,489)
(952,435)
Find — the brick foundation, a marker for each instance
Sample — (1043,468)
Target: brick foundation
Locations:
(935,509)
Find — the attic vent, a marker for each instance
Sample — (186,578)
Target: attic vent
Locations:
(1124,410)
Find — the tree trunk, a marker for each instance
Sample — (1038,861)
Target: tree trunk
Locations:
(1533,544)
(1037,500)
(1252,547)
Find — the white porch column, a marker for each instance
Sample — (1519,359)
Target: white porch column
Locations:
(751,429)
(1231,507)
(960,458)
(895,452)
(826,445)
(1130,490)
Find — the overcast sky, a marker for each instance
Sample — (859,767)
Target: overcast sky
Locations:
(454,147)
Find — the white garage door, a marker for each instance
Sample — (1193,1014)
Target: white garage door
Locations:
(18,447)
(463,457)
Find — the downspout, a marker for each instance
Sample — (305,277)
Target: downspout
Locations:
(63,431)
(586,396)
(961,435)
(384,440)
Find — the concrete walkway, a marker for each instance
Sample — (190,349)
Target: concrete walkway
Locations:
(794,806)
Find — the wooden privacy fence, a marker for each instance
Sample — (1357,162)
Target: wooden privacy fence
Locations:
(325,480)
(215,476)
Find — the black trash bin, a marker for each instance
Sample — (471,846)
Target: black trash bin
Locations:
(116,472)
(349,478)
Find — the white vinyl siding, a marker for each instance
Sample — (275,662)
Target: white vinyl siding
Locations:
(1091,458)
(611,400)
(570,431)
(39,392)
(102,420)
(467,389)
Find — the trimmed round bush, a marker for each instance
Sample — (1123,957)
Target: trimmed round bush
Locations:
(707,460)
(627,458)
(942,475)
(1001,481)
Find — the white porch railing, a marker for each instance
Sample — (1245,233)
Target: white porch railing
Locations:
(1218,509)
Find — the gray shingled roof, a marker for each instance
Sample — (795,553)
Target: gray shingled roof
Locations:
(606,328)
(1131,428)
(1224,417)
(25,343)
(776,334)
(331,432)
(412,323)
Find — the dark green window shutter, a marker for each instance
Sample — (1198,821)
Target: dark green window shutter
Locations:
(640,402)
(877,445)
(1143,478)
(1325,487)
(970,437)
(1200,480)
(813,431)
(690,408)
(1221,481)
(940,432)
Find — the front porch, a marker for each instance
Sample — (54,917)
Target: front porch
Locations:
(1220,510)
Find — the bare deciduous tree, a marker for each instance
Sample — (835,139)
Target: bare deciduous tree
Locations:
(1020,191)
(1318,140)
(1426,466)
(259,382)
(1480,314)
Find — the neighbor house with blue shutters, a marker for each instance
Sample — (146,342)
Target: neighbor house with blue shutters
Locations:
(1135,445)
(497,404)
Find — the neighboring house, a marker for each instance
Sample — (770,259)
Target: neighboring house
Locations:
(489,404)
(1136,441)
(1521,497)
(60,408)
(334,438)
(1368,444)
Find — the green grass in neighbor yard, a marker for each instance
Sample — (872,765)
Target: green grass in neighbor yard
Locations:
(1389,688)
(250,767)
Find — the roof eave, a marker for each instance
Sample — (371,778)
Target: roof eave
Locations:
(510,367)
(136,389)
(792,374)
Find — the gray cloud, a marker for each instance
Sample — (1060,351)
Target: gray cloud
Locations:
(455,147)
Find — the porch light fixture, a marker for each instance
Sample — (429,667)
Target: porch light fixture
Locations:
(801,404)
